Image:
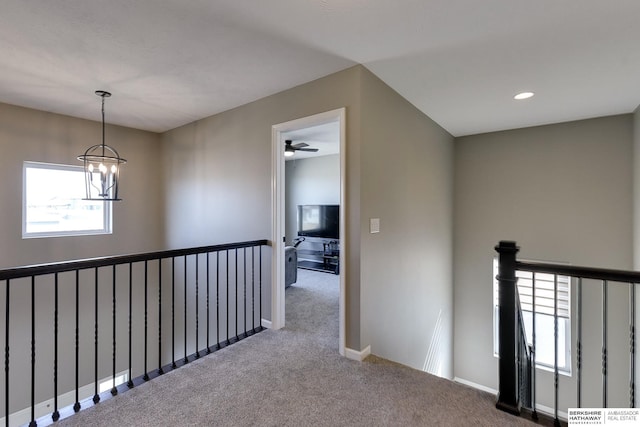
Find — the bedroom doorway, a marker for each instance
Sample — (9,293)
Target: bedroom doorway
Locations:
(300,131)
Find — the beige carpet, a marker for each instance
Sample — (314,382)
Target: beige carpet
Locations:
(295,377)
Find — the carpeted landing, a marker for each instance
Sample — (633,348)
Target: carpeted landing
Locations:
(295,377)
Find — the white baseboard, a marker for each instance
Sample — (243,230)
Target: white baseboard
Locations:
(549,411)
(41,409)
(540,408)
(265,323)
(475,385)
(356,355)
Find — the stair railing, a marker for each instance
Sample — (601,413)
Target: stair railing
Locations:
(525,363)
(513,386)
(142,315)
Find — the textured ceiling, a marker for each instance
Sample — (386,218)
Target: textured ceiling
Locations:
(459,61)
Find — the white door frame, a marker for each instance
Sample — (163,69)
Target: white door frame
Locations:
(278,214)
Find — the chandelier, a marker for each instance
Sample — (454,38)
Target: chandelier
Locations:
(102,166)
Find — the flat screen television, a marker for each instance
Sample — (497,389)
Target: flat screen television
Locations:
(319,221)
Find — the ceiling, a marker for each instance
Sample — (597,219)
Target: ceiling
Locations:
(459,61)
(324,137)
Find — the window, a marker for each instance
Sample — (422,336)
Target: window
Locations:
(543,308)
(53,205)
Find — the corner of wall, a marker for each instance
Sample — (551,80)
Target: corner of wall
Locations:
(356,355)
(636,188)
(398,187)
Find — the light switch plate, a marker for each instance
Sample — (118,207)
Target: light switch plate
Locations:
(374,225)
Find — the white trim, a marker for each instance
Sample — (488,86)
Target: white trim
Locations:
(540,408)
(475,385)
(549,412)
(342,339)
(277,208)
(356,355)
(23,416)
(107,207)
(277,229)
(265,323)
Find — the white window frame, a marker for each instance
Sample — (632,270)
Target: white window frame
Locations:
(107,206)
(543,312)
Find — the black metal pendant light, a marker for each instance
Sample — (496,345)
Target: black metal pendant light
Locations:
(102,166)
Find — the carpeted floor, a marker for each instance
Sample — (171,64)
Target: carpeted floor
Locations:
(295,377)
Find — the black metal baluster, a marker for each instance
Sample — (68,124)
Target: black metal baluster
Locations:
(33,351)
(160,370)
(114,389)
(186,357)
(605,286)
(260,285)
(236,302)
(197,314)
(97,266)
(632,345)
(130,380)
(6,352)
(55,416)
(76,405)
(579,344)
(96,395)
(244,275)
(208,347)
(173,313)
(534,414)
(555,349)
(146,320)
(228,342)
(218,300)
(253,288)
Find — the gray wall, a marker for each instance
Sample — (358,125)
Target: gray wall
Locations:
(406,179)
(398,167)
(44,137)
(311,181)
(564,193)
(213,186)
(137,227)
(218,175)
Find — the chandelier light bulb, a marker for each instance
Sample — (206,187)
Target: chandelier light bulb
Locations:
(104,159)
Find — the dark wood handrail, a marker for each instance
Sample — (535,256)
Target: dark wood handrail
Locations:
(577,271)
(511,397)
(59,267)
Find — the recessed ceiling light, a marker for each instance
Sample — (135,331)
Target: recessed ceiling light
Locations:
(523,95)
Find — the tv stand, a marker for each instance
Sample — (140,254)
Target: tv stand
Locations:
(327,259)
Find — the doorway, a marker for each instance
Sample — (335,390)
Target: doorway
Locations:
(279,135)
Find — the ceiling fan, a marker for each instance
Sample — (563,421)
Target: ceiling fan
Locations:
(290,148)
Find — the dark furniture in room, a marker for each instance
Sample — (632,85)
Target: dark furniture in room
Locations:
(319,231)
(290,266)
(320,256)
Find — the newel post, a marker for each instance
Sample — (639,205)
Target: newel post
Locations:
(508,398)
